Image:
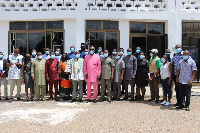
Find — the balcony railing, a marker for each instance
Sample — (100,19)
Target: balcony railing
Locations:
(191,6)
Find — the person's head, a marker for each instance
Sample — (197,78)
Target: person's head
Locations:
(129,51)
(1,55)
(82,46)
(72,49)
(77,53)
(154,52)
(28,57)
(121,51)
(117,56)
(64,57)
(58,51)
(167,52)
(186,55)
(86,51)
(16,51)
(114,51)
(141,55)
(52,54)
(178,48)
(138,49)
(39,55)
(34,52)
(99,49)
(47,51)
(165,58)
(106,53)
(91,50)
(101,54)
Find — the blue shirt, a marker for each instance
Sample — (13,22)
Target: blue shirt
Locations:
(58,58)
(46,57)
(175,60)
(82,54)
(71,56)
(186,68)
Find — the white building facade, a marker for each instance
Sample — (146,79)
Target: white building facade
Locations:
(160,24)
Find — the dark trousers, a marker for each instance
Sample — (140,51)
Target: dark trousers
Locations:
(132,83)
(177,90)
(154,88)
(51,83)
(185,91)
(166,87)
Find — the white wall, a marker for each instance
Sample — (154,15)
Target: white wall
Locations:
(4,28)
(124,34)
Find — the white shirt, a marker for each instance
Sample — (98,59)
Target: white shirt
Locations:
(1,66)
(164,71)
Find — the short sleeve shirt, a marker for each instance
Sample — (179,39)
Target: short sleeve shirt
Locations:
(186,68)
(119,65)
(106,67)
(175,60)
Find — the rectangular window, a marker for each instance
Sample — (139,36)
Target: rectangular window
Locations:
(110,25)
(54,25)
(36,25)
(17,25)
(93,24)
(155,28)
(138,27)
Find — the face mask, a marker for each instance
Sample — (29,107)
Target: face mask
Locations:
(151,54)
(121,53)
(72,49)
(137,51)
(163,60)
(117,57)
(167,53)
(114,53)
(101,56)
(91,52)
(57,53)
(1,56)
(78,56)
(178,50)
(34,54)
(129,53)
(40,57)
(52,56)
(185,57)
(47,52)
(86,53)
(142,56)
(105,55)
(99,50)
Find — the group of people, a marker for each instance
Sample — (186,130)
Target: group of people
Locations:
(71,73)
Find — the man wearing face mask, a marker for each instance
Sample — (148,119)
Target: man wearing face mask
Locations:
(82,54)
(57,54)
(14,62)
(38,76)
(107,71)
(137,52)
(130,72)
(99,50)
(77,76)
(92,71)
(185,76)
(3,75)
(72,54)
(121,51)
(33,55)
(51,71)
(47,53)
(154,70)
(114,52)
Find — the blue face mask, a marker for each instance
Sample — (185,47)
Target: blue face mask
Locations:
(114,53)
(142,56)
(185,57)
(101,56)
(34,54)
(57,53)
(121,53)
(178,50)
(78,56)
(72,50)
(129,53)
(137,51)
(99,50)
(85,53)
(105,55)
(117,57)
(151,54)
(1,56)
(91,52)
(47,52)
(167,53)
(162,60)
(53,56)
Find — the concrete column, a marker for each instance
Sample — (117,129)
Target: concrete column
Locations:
(124,34)
(80,32)
(4,26)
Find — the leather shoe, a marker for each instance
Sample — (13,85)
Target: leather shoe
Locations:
(95,101)
(179,107)
(187,109)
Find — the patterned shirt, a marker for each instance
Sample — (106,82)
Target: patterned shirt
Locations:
(186,68)
(46,57)
(175,60)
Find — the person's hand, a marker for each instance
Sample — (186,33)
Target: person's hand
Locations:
(169,82)
(111,77)
(47,79)
(177,80)
(121,78)
(22,80)
(98,77)
(133,77)
(190,83)
(86,76)
(16,64)
(33,78)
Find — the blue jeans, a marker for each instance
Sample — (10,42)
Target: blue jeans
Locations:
(166,87)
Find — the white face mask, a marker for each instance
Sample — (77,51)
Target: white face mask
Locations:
(40,57)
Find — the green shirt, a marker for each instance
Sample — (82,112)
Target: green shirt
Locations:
(158,62)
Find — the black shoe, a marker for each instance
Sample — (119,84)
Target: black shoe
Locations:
(95,101)
(156,101)
(114,98)
(6,98)
(0,98)
(179,107)
(11,99)
(176,104)
(18,99)
(132,99)
(150,100)
(117,99)
(187,109)
(88,101)
(125,98)
(80,100)
(161,100)
(73,100)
